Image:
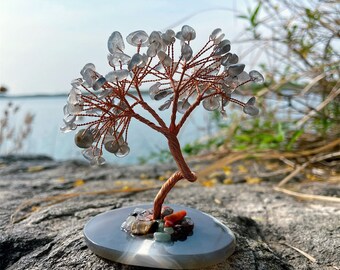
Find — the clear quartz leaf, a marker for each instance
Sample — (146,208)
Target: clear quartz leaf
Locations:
(74,109)
(68,127)
(84,138)
(115,43)
(117,75)
(111,146)
(87,66)
(235,69)
(138,38)
(76,82)
(118,58)
(89,76)
(123,150)
(162,94)
(105,93)
(98,160)
(91,152)
(243,77)
(168,37)
(229,59)
(256,76)
(98,83)
(251,110)
(211,103)
(186,51)
(251,101)
(217,36)
(188,33)
(222,48)
(183,105)
(164,59)
(136,60)
(165,106)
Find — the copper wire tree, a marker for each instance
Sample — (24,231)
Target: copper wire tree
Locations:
(104,106)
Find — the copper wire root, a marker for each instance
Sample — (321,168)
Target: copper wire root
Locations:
(165,189)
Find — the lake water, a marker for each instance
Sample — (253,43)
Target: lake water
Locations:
(46,138)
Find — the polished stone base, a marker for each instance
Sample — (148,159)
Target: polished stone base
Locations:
(211,242)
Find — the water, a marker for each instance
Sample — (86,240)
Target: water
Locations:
(46,138)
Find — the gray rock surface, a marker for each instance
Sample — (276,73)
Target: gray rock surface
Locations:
(42,231)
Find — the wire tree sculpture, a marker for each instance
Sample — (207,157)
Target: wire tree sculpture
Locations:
(103,106)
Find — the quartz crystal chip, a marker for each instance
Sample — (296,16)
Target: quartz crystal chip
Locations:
(222,48)
(162,94)
(211,103)
(68,127)
(123,150)
(217,35)
(229,59)
(87,66)
(136,60)
(76,82)
(166,105)
(231,83)
(236,69)
(164,59)
(243,77)
(249,108)
(183,105)
(65,110)
(98,83)
(154,89)
(153,49)
(155,37)
(256,76)
(91,152)
(89,76)
(111,146)
(138,38)
(118,58)
(84,138)
(74,109)
(251,101)
(186,51)
(115,43)
(168,37)
(105,93)
(186,34)
(117,75)
(127,224)
(213,69)
(73,96)
(68,119)
(98,160)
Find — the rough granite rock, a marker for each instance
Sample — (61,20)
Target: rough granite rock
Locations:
(40,233)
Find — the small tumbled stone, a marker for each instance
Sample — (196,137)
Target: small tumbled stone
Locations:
(169,230)
(142,227)
(162,237)
(166,210)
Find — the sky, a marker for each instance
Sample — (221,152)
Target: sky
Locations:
(45,43)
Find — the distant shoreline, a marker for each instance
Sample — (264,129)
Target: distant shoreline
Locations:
(4,96)
(32,96)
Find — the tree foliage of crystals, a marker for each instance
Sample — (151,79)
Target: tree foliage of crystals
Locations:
(103,106)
